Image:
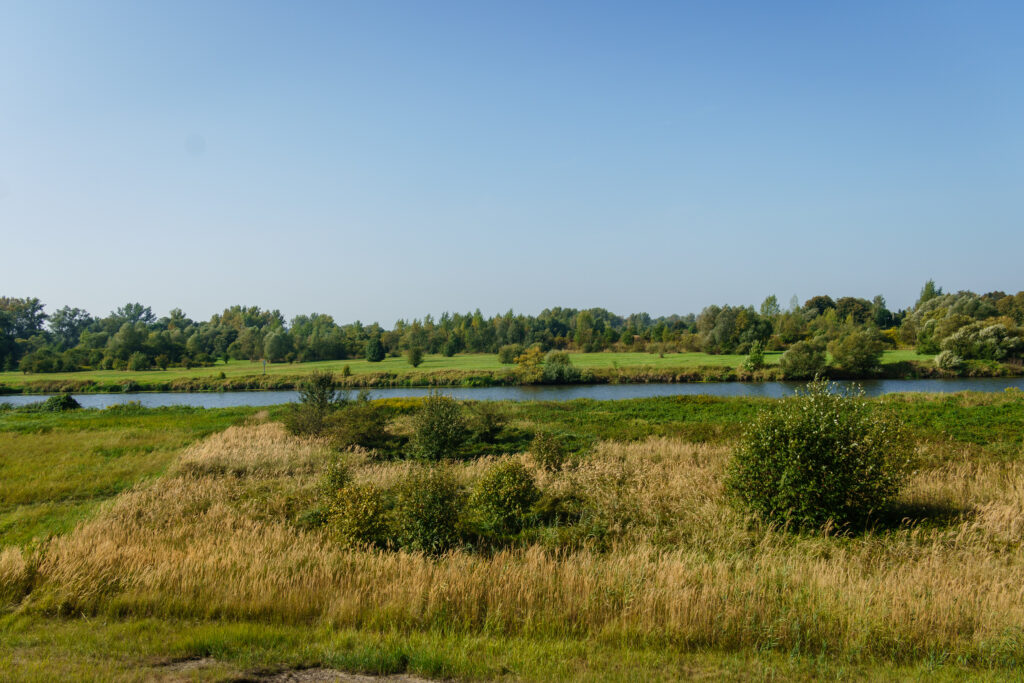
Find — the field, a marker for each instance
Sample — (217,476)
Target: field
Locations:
(176,551)
(436,365)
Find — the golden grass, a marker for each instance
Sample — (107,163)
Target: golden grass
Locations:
(213,539)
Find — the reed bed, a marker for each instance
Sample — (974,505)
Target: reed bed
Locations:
(215,538)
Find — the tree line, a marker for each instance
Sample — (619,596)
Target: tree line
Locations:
(957,326)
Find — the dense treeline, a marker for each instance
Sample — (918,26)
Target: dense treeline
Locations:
(958,327)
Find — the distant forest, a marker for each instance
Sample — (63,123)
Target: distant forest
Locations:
(959,326)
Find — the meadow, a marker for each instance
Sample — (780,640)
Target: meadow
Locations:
(434,370)
(169,544)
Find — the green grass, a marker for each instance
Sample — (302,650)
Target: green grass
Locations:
(55,468)
(46,649)
(398,365)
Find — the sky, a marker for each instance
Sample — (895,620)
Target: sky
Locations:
(382,159)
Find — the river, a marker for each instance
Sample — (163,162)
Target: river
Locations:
(601,392)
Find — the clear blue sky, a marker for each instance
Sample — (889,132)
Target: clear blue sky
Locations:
(382,159)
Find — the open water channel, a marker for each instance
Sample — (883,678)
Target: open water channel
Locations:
(600,392)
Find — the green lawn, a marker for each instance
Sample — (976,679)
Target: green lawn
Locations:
(467,362)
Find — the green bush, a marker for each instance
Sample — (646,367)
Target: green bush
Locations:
(947,360)
(414,355)
(803,360)
(358,516)
(335,478)
(818,457)
(858,352)
(755,360)
(139,361)
(548,451)
(374,350)
(439,428)
(317,397)
(363,424)
(507,353)
(558,368)
(503,497)
(486,421)
(427,509)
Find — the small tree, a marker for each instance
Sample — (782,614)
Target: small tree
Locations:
(755,361)
(374,350)
(858,352)
(427,509)
(502,498)
(821,456)
(316,398)
(558,368)
(804,359)
(439,428)
(414,354)
(507,353)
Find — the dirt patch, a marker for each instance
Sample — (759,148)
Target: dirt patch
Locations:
(335,676)
(187,669)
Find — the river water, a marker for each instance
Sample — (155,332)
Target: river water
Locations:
(601,392)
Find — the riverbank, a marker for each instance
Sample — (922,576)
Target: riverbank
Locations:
(164,381)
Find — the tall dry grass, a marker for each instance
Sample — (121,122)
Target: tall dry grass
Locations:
(213,538)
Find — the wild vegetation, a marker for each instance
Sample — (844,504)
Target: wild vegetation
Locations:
(981,333)
(547,532)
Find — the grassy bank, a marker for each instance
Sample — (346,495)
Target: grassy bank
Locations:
(199,552)
(462,370)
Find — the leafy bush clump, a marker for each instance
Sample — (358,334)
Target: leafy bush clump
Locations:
(139,361)
(486,421)
(558,368)
(414,355)
(507,353)
(947,360)
(317,397)
(803,360)
(858,352)
(821,456)
(427,507)
(358,516)
(503,497)
(60,403)
(548,451)
(755,360)
(439,428)
(361,424)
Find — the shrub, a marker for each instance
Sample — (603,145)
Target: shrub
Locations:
(60,403)
(335,478)
(558,368)
(947,360)
(450,348)
(487,421)
(857,352)
(503,497)
(414,355)
(804,359)
(507,353)
(139,361)
(439,428)
(361,424)
(755,360)
(316,399)
(374,350)
(548,451)
(820,456)
(427,510)
(358,516)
